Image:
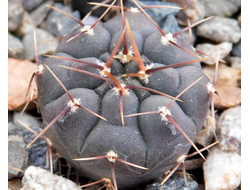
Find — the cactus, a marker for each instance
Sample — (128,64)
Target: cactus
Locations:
(122,100)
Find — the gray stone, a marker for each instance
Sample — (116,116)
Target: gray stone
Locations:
(229,129)
(156,14)
(15,47)
(29,5)
(26,26)
(44,48)
(220,29)
(236,2)
(235,62)
(60,24)
(13,130)
(37,151)
(90,19)
(176,181)
(27,119)
(40,13)
(237,49)
(17,156)
(15,14)
(223,8)
(170,24)
(224,50)
(192,10)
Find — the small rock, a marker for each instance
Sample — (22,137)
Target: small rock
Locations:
(220,29)
(29,5)
(223,8)
(157,14)
(60,24)
(226,76)
(26,26)
(239,19)
(15,184)
(192,10)
(17,156)
(90,20)
(222,170)
(15,47)
(236,2)
(235,62)
(19,74)
(228,80)
(38,178)
(41,12)
(224,50)
(229,129)
(176,181)
(15,14)
(44,48)
(237,49)
(10,118)
(37,151)
(27,119)
(12,129)
(207,134)
(230,97)
(170,24)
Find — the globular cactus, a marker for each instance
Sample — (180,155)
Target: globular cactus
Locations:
(94,92)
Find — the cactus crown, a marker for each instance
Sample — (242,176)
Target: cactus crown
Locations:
(124,75)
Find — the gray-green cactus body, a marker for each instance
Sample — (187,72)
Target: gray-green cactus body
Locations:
(145,140)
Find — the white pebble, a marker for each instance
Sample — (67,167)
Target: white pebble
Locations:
(41,179)
(222,170)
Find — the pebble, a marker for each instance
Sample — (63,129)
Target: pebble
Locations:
(38,178)
(157,14)
(229,129)
(29,5)
(227,85)
(15,184)
(26,25)
(226,76)
(13,130)
(170,24)
(18,83)
(37,151)
(235,62)
(207,134)
(40,13)
(27,119)
(176,181)
(237,49)
(15,47)
(60,24)
(224,49)
(15,14)
(192,10)
(90,19)
(223,8)
(222,170)
(215,30)
(44,48)
(239,19)
(17,156)
(230,97)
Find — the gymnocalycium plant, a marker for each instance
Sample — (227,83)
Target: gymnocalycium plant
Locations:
(122,101)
